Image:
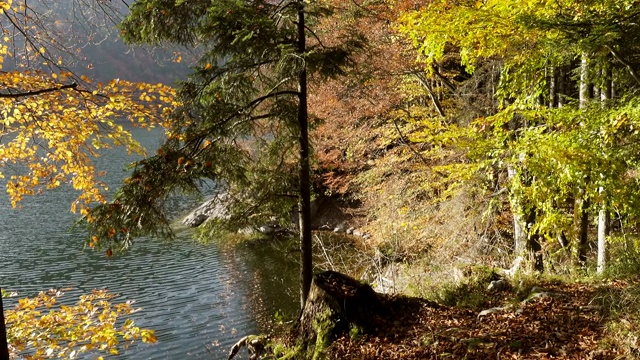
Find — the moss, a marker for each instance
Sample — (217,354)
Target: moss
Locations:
(324,326)
(355,332)
(469,293)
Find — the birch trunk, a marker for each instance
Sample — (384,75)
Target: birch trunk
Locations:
(519,234)
(583,219)
(603,226)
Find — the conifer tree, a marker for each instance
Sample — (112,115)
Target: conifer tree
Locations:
(243,123)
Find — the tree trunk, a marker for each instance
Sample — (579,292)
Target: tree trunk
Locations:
(553,88)
(583,233)
(533,243)
(306,261)
(583,219)
(335,305)
(519,234)
(584,83)
(560,87)
(603,226)
(602,235)
(4,346)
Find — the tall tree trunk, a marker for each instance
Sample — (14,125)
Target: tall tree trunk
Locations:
(560,87)
(602,234)
(583,232)
(519,234)
(306,262)
(4,346)
(584,81)
(603,226)
(583,219)
(553,87)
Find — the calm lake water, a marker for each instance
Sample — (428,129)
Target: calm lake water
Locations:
(199,299)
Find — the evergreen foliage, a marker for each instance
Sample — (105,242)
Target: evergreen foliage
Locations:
(243,115)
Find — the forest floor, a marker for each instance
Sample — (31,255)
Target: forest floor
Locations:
(573,322)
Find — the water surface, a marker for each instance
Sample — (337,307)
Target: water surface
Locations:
(198,298)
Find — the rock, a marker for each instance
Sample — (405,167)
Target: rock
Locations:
(340,228)
(267,229)
(256,344)
(247,231)
(538,292)
(514,268)
(366,236)
(491,311)
(498,285)
(216,207)
(357,233)
(350,230)
(325,211)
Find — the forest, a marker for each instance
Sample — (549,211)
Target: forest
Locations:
(487,152)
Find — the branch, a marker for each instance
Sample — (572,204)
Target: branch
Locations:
(315,36)
(453,89)
(434,99)
(240,111)
(408,143)
(624,62)
(38,92)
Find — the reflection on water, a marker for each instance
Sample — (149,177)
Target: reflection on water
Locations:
(199,299)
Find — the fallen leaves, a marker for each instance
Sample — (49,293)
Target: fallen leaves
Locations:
(562,327)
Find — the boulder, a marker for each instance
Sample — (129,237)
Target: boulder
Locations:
(215,207)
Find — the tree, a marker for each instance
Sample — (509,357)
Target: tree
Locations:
(553,154)
(244,113)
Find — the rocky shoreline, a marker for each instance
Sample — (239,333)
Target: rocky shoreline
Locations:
(328,214)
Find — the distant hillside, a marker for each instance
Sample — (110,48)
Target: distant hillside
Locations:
(83,37)
(112,59)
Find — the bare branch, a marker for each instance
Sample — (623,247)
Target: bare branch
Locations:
(38,92)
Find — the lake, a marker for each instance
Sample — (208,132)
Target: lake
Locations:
(200,299)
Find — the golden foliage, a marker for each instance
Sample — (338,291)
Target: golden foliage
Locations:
(53,124)
(47,329)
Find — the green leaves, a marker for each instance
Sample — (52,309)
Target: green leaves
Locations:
(237,123)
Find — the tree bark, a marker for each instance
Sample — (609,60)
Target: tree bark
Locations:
(306,261)
(584,84)
(533,243)
(603,226)
(602,235)
(335,304)
(553,88)
(583,219)
(583,232)
(560,87)
(4,346)
(519,234)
